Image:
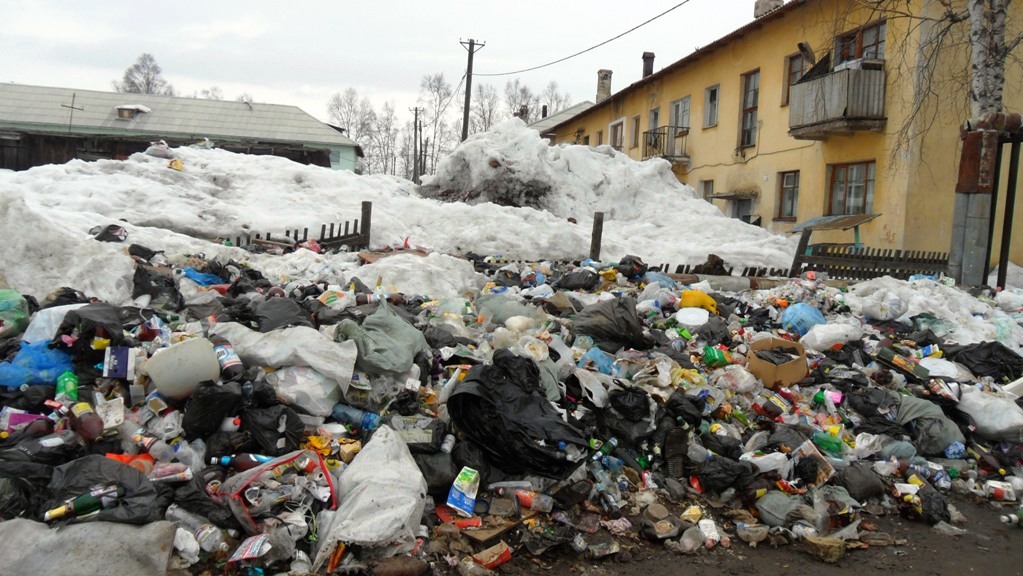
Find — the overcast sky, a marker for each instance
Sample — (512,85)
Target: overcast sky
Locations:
(300,53)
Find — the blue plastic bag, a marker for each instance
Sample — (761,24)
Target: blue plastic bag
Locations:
(800,317)
(34,364)
(598,359)
(201,278)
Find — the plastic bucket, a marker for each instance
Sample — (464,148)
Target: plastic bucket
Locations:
(177,370)
(692,318)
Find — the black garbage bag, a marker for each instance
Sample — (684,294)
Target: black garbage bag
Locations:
(631,431)
(275,431)
(439,470)
(631,267)
(860,480)
(502,408)
(759,319)
(469,454)
(720,473)
(422,434)
(192,496)
(631,402)
(162,289)
(281,313)
(23,489)
(443,336)
(111,233)
(928,505)
(715,331)
(613,325)
(30,400)
(51,449)
(62,297)
(992,359)
(870,401)
(226,443)
(722,445)
(97,320)
(580,279)
(208,406)
(141,252)
(786,436)
(681,406)
(139,505)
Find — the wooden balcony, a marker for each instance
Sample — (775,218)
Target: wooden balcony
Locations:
(838,103)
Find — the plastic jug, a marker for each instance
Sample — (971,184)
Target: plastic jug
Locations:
(178,369)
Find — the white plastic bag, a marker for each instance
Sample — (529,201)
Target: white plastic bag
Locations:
(997,418)
(306,388)
(383,496)
(884,305)
(822,337)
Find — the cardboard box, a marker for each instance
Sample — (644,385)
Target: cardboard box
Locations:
(494,556)
(773,375)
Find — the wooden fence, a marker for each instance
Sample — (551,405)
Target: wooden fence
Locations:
(852,263)
(353,234)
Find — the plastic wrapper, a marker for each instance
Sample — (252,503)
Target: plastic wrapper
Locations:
(13,313)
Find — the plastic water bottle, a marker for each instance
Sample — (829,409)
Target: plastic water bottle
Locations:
(241,462)
(209,536)
(355,418)
(1013,519)
(231,367)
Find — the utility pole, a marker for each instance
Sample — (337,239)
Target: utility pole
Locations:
(472,47)
(415,145)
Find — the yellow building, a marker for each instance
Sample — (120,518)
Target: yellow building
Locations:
(815,108)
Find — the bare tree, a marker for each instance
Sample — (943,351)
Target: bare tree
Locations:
(244,97)
(484,111)
(383,141)
(520,100)
(144,77)
(435,93)
(554,99)
(355,115)
(212,93)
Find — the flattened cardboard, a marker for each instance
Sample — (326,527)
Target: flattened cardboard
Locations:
(773,375)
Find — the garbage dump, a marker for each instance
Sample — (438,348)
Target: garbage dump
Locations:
(323,425)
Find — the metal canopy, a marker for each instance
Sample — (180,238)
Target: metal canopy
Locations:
(841,222)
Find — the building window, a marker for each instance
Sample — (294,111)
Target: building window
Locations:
(680,113)
(634,133)
(617,131)
(706,189)
(788,196)
(852,188)
(795,67)
(750,102)
(867,42)
(600,137)
(710,106)
(586,140)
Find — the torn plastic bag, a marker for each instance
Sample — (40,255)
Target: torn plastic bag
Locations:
(275,430)
(932,431)
(641,421)
(715,331)
(631,267)
(295,346)
(860,480)
(580,279)
(305,388)
(34,364)
(883,305)
(208,406)
(110,233)
(501,407)
(996,418)
(439,470)
(244,491)
(800,317)
(162,289)
(52,449)
(386,343)
(384,495)
(45,322)
(992,359)
(139,505)
(192,496)
(775,507)
(681,406)
(421,434)
(722,445)
(81,325)
(613,325)
(281,313)
(32,548)
(13,313)
(226,443)
(501,307)
(719,473)
(443,336)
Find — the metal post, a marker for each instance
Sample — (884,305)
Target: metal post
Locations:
(994,211)
(472,47)
(1010,208)
(598,231)
(367,217)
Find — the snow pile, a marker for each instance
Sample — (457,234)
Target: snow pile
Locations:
(48,212)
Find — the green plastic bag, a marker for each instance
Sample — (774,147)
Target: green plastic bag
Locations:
(13,313)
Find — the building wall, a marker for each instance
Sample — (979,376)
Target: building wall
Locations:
(915,174)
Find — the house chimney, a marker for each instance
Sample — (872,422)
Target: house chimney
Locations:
(543,111)
(603,85)
(762,7)
(648,64)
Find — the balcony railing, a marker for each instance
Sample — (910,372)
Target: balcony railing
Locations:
(840,102)
(668,142)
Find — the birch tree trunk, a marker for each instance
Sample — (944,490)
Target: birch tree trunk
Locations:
(989,52)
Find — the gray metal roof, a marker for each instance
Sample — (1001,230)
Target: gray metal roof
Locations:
(553,120)
(42,109)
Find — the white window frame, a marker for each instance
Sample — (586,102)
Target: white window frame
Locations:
(681,107)
(710,109)
(619,123)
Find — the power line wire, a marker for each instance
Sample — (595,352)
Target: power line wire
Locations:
(594,47)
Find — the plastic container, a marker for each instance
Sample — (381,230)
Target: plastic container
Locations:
(241,462)
(692,318)
(231,367)
(210,538)
(997,490)
(359,419)
(177,370)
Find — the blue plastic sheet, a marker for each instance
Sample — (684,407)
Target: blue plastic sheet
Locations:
(34,364)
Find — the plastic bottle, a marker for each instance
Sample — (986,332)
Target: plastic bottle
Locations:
(67,388)
(231,367)
(606,448)
(231,424)
(710,533)
(610,496)
(528,499)
(830,444)
(85,422)
(355,418)
(241,462)
(210,537)
(91,501)
(1013,519)
(448,444)
(134,434)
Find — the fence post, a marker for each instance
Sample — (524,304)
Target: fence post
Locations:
(367,216)
(598,231)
